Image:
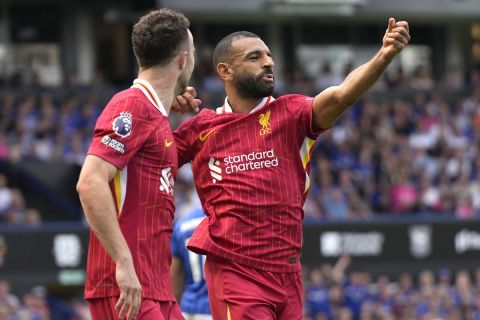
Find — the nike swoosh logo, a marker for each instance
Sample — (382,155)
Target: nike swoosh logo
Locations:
(168,143)
(205,136)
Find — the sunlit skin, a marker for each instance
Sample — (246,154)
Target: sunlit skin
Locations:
(251,56)
(250,68)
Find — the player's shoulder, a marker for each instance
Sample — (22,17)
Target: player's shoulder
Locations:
(293,98)
(204,116)
(133,100)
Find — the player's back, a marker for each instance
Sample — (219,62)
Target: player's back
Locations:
(134,135)
(251,173)
(195,295)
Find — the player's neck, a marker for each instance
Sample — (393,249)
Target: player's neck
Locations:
(163,82)
(241,104)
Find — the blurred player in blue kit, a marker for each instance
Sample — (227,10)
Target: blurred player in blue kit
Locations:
(188,275)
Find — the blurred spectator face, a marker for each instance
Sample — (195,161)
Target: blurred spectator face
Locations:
(321,316)
(32,217)
(462,281)
(383,282)
(336,294)
(426,279)
(5,311)
(316,277)
(4,289)
(345,314)
(406,281)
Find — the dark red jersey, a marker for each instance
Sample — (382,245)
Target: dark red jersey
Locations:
(251,173)
(133,134)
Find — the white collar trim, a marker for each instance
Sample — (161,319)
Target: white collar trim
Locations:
(150,93)
(226,108)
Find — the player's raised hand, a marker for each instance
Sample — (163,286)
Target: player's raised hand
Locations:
(187,100)
(396,37)
(130,299)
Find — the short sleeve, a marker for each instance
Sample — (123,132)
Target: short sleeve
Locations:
(121,130)
(302,108)
(185,136)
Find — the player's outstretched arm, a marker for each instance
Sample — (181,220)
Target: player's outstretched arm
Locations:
(98,205)
(332,102)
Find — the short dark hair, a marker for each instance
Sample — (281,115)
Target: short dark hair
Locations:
(222,49)
(158,36)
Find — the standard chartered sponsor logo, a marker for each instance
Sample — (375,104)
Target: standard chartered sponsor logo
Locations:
(242,162)
(250,161)
(166,181)
(215,170)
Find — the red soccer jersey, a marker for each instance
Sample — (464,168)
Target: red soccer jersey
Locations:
(251,173)
(133,133)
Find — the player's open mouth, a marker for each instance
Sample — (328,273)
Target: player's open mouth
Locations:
(268,77)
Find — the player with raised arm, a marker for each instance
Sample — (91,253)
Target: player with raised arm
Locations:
(188,275)
(126,183)
(251,160)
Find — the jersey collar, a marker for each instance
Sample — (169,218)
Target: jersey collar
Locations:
(226,108)
(150,93)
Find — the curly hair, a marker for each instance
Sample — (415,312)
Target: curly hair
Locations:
(158,36)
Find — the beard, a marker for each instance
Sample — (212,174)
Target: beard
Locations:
(184,79)
(182,84)
(251,86)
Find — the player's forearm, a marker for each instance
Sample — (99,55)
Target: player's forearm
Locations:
(361,80)
(331,103)
(99,208)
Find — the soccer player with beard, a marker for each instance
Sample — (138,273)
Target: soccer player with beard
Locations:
(126,183)
(250,160)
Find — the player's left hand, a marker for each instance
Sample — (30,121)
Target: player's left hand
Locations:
(396,37)
(187,100)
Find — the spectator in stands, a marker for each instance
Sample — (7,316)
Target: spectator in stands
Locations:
(7,299)
(422,79)
(317,301)
(327,78)
(433,137)
(403,194)
(6,197)
(34,306)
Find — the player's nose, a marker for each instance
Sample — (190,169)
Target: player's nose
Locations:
(268,62)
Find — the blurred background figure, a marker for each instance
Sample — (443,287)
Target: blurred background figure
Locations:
(188,275)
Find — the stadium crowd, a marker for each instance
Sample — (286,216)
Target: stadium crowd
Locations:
(37,304)
(410,146)
(332,293)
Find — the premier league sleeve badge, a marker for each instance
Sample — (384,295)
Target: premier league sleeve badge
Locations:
(122,125)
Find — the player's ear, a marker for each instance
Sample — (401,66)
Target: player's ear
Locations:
(224,71)
(182,59)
